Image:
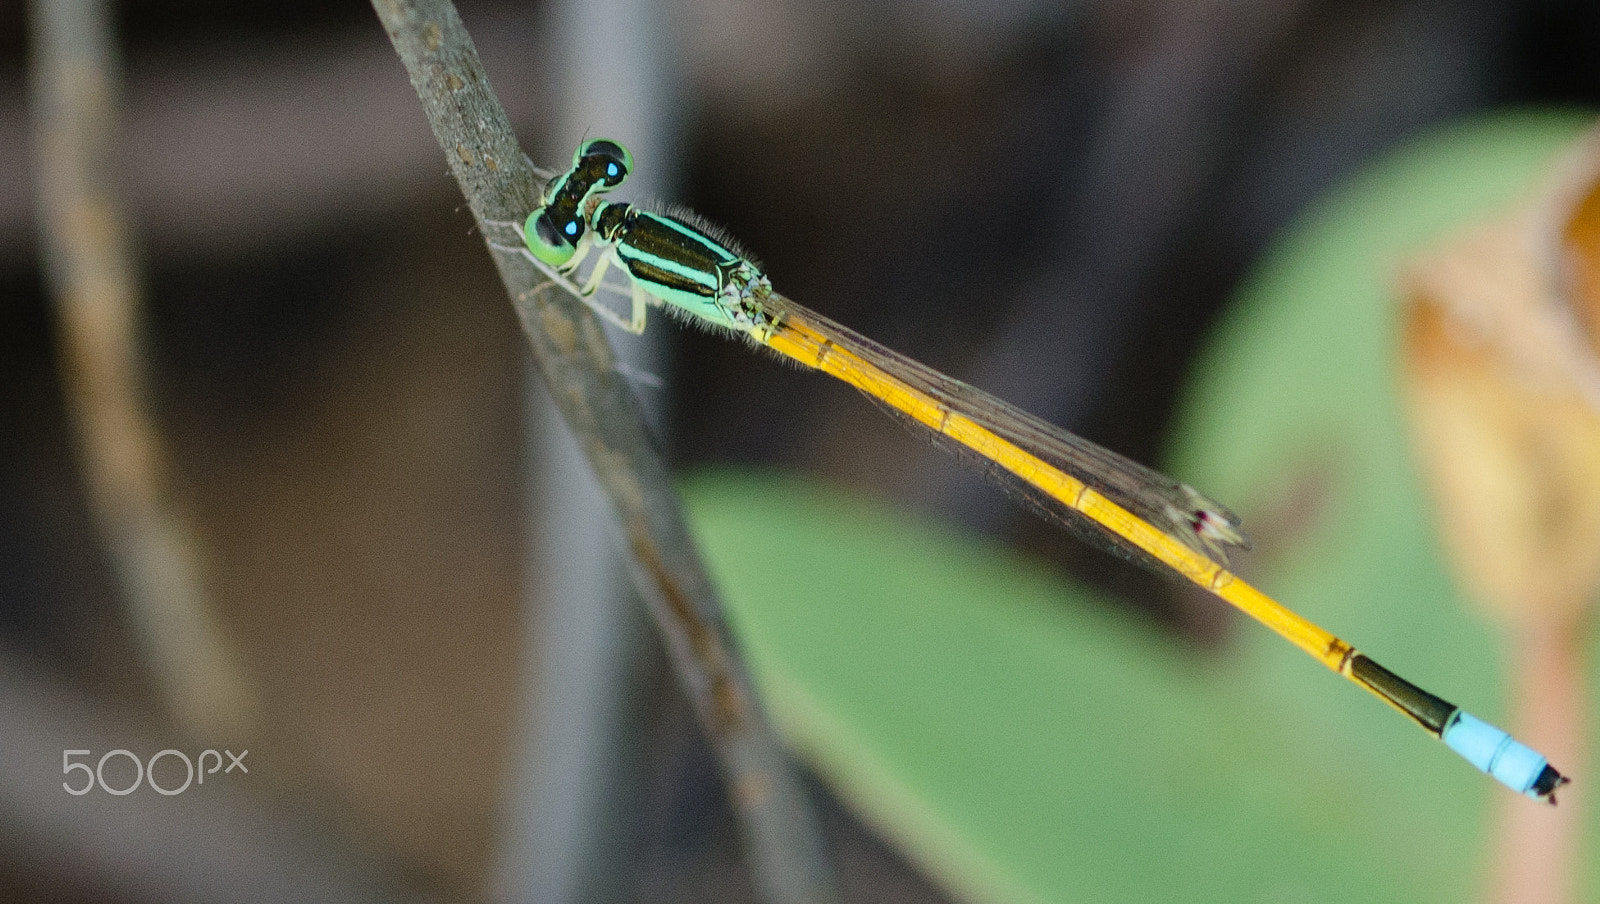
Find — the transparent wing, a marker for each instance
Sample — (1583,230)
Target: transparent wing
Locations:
(1172,507)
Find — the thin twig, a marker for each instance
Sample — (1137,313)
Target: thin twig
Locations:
(90,261)
(577,364)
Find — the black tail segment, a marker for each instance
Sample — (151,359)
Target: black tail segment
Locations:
(1431,712)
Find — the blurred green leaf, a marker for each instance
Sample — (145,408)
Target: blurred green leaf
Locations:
(1024,744)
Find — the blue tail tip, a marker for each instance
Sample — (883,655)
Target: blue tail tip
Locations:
(1509,761)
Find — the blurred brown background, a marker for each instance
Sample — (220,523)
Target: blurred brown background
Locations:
(1050,200)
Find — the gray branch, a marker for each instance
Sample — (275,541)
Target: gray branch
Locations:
(576,362)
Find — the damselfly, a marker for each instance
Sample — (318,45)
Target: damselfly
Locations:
(675,261)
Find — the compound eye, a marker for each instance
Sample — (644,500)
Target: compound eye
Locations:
(550,243)
(612,159)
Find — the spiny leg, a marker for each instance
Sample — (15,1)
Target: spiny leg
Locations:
(514,226)
(641,300)
(510,249)
(585,293)
(634,325)
(553,277)
(529,293)
(636,320)
(597,274)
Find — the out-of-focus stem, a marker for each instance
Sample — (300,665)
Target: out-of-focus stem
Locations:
(1538,850)
(90,263)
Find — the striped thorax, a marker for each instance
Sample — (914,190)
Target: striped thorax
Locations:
(678,262)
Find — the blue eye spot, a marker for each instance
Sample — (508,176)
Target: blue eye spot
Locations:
(611,169)
(572,228)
